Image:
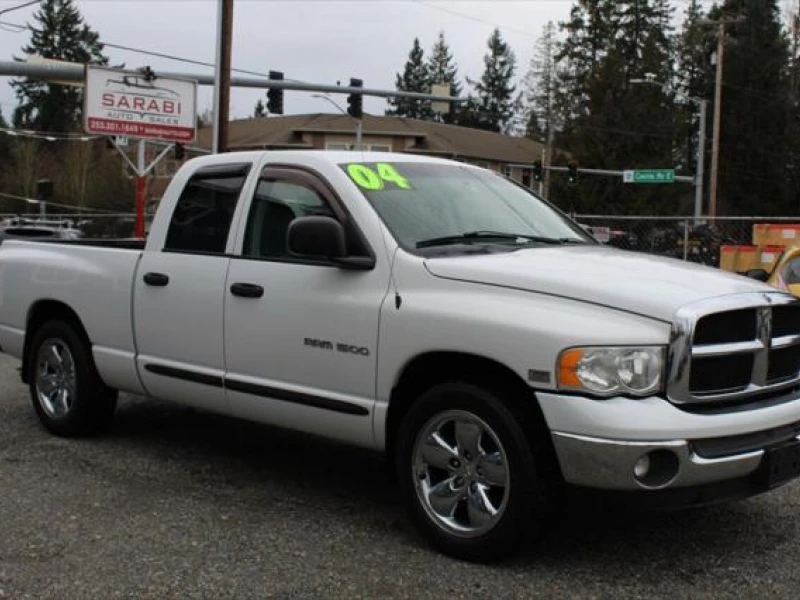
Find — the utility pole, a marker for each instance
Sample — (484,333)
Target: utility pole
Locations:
(721,24)
(222,76)
(712,201)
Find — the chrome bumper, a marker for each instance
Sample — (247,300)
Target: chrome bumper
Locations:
(609,464)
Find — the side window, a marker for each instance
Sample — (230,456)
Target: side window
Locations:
(203,213)
(791,272)
(275,204)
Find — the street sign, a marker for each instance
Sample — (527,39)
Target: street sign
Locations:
(127,103)
(649,176)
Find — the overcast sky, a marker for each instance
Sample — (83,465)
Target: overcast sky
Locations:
(320,41)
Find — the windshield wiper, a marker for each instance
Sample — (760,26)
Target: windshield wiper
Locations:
(494,235)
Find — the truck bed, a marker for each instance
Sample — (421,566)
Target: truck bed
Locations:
(92,278)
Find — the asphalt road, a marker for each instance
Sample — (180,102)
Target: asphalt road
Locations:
(174,503)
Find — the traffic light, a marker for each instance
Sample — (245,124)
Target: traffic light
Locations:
(275,95)
(572,171)
(537,170)
(355,102)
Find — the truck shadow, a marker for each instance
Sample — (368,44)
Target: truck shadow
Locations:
(256,463)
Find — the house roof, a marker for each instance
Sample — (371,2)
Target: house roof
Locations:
(430,138)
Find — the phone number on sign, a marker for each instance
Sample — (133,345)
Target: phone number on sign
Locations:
(139,129)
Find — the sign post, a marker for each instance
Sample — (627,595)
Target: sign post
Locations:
(649,176)
(140,105)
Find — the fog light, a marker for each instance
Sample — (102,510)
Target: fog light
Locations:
(656,469)
(642,467)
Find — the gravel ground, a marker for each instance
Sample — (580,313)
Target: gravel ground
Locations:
(178,504)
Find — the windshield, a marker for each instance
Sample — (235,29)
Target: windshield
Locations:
(435,205)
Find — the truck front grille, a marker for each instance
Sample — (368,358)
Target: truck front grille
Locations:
(733,348)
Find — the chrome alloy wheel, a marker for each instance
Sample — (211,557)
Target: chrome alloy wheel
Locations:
(461,473)
(55,378)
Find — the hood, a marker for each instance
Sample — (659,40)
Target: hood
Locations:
(649,285)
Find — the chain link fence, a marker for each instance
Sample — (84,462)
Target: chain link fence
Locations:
(96,226)
(685,238)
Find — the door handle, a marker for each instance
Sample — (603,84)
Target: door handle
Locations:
(156,279)
(247,290)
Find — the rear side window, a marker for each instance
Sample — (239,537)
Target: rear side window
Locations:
(202,218)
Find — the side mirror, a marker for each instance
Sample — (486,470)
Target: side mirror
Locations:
(317,237)
(758,274)
(323,238)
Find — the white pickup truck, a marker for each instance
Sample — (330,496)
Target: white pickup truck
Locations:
(428,309)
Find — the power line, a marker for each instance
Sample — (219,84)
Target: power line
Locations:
(49,203)
(50,137)
(21,28)
(478,19)
(23,5)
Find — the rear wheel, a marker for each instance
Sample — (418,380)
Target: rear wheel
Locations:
(467,472)
(67,393)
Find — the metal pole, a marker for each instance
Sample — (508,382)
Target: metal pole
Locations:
(685,239)
(358,134)
(140,167)
(701,159)
(42,210)
(76,72)
(712,201)
(549,161)
(218,76)
(547,173)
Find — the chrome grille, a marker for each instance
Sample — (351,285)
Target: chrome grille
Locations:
(734,347)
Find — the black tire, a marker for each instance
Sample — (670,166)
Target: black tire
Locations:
(92,403)
(526,503)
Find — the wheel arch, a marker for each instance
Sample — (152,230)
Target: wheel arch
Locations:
(429,369)
(41,312)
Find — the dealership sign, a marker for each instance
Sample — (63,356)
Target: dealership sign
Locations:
(129,104)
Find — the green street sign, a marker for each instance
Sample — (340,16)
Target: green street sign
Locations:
(649,176)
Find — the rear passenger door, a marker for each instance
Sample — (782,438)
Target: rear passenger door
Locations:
(180,292)
(301,335)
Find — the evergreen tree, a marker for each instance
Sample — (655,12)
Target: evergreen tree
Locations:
(609,121)
(59,32)
(260,110)
(415,78)
(539,86)
(442,70)
(494,98)
(694,78)
(589,35)
(755,158)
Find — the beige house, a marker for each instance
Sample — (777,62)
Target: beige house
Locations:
(383,134)
(379,134)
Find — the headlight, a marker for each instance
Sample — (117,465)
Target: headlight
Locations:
(610,371)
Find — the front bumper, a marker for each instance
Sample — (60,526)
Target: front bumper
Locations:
(607,440)
(610,464)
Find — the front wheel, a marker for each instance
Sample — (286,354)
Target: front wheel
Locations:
(467,471)
(67,393)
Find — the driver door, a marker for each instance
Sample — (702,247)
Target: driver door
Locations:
(301,335)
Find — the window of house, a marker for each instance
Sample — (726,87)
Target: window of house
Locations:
(380,148)
(506,170)
(526,178)
(202,217)
(336,146)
